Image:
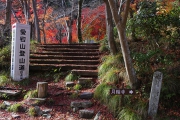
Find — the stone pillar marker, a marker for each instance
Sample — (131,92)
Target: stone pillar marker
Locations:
(20,51)
(155,94)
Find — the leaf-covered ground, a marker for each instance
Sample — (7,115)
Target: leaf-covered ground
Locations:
(61,97)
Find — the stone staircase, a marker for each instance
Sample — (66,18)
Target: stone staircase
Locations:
(82,59)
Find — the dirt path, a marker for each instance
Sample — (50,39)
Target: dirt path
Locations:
(60,108)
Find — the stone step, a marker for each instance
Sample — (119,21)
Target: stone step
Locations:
(86,114)
(72,44)
(86,95)
(64,67)
(55,61)
(64,57)
(69,49)
(85,72)
(85,78)
(86,82)
(82,59)
(81,104)
(83,46)
(68,53)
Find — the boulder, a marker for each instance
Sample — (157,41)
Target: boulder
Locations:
(70,84)
(87,114)
(86,95)
(81,104)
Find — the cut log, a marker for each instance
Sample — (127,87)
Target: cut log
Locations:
(42,88)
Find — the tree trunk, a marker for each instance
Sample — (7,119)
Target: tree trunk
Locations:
(42,88)
(36,21)
(120,22)
(8,13)
(69,24)
(32,35)
(79,21)
(7,25)
(26,11)
(109,29)
(43,24)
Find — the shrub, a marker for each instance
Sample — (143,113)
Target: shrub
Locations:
(113,104)
(57,76)
(2,106)
(33,45)
(31,94)
(3,80)
(109,62)
(128,114)
(104,45)
(112,76)
(77,87)
(102,92)
(14,108)
(5,56)
(71,77)
(32,111)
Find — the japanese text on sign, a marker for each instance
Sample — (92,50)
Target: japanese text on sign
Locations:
(20,51)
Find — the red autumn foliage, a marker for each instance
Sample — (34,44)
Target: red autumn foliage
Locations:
(93,23)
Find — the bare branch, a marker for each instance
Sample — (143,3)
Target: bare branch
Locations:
(125,15)
(12,10)
(120,7)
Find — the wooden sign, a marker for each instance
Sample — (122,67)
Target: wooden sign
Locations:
(122,91)
(20,51)
(155,94)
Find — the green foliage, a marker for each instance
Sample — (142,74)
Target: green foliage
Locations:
(71,77)
(110,68)
(24,82)
(115,31)
(134,109)
(77,87)
(143,61)
(113,104)
(31,94)
(33,46)
(2,106)
(14,108)
(158,35)
(102,92)
(104,45)
(4,96)
(32,111)
(170,90)
(108,62)
(74,95)
(112,76)
(57,74)
(3,79)
(159,30)
(128,114)
(5,57)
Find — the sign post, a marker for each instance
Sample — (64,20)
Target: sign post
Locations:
(122,92)
(20,51)
(155,94)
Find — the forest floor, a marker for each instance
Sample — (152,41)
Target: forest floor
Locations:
(60,108)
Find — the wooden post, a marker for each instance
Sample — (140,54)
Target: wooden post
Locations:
(42,88)
(122,97)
